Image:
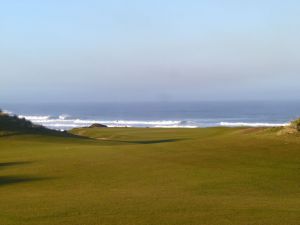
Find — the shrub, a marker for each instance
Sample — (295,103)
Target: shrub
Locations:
(296,124)
(14,123)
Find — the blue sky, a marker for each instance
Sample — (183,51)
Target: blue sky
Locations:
(154,50)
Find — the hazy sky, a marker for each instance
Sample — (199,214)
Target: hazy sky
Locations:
(155,50)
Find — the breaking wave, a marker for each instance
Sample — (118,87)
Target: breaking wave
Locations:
(66,122)
(243,124)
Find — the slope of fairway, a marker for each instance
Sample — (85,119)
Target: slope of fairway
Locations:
(126,176)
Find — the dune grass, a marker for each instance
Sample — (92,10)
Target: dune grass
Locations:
(127,176)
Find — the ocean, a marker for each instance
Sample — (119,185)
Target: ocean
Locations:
(65,116)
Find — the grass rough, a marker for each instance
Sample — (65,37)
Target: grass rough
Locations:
(211,176)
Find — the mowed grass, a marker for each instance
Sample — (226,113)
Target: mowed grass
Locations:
(127,176)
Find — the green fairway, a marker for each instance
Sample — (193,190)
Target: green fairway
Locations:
(131,176)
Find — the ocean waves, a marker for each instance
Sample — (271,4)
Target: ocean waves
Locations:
(66,122)
(245,124)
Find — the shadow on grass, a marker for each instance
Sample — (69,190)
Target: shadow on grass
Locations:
(9,134)
(6,164)
(9,180)
(148,142)
(47,133)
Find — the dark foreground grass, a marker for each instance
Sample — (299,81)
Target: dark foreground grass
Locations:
(214,176)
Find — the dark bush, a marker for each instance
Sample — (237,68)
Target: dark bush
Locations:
(14,123)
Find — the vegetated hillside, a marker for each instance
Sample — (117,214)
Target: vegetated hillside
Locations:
(12,124)
(293,128)
(296,125)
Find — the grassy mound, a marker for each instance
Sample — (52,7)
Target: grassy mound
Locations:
(292,128)
(296,125)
